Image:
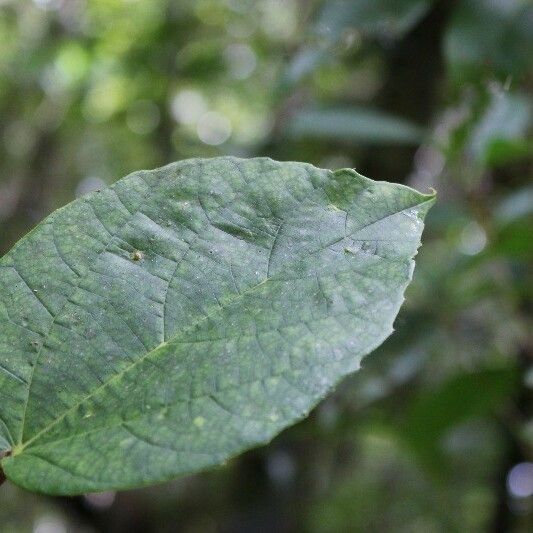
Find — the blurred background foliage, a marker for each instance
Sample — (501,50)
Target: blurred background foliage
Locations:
(436,432)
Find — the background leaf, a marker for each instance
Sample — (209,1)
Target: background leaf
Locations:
(354,125)
(373,17)
(479,28)
(436,412)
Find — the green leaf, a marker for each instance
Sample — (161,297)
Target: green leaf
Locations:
(188,313)
(435,412)
(484,35)
(339,19)
(354,124)
(506,119)
(512,239)
(372,17)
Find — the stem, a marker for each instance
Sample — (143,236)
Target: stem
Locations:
(504,519)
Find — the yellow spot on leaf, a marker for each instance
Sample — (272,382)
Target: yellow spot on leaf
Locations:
(199,421)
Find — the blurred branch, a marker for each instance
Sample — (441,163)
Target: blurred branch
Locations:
(415,69)
(504,519)
(30,207)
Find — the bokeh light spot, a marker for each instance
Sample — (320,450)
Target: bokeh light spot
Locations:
(143,117)
(520,480)
(49,5)
(188,106)
(473,239)
(241,60)
(100,500)
(213,128)
(50,524)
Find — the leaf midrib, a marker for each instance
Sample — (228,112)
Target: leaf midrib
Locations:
(167,406)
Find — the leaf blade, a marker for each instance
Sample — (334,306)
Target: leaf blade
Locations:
(258,266)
